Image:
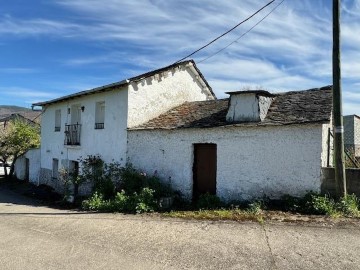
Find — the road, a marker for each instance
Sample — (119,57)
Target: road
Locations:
(39,237)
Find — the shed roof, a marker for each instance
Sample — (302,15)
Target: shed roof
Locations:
(125,82)
(295,107)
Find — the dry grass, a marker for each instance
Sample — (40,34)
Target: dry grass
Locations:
(222,214)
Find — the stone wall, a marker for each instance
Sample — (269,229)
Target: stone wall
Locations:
(328,181)
(251,161)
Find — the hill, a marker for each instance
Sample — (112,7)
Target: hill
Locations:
(6,110)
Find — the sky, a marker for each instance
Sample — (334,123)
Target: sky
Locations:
(52,48)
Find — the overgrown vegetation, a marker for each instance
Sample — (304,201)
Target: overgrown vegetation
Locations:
(121,189)
(127,190)
(210,207)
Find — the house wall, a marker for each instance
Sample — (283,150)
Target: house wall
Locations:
(357,136)
(327,159)
(155,95)
(109,142)
(251,161)
(34,166)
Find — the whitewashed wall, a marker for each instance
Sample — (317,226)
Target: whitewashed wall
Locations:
(155,95)
(251,161)
(109,142)
(34,166)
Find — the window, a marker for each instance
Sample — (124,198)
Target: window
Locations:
(55,168)
(57,120)
(100,115)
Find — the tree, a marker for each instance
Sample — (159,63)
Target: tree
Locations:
(16,139)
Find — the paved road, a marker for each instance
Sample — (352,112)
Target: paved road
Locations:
(37,237)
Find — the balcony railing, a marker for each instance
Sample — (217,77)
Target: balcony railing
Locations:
(99,125)
(72,134)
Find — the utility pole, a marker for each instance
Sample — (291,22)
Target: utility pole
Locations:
(340,176)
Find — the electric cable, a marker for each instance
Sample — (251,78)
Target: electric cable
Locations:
(271,11)
(240,23)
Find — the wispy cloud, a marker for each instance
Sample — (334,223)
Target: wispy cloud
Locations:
(20,92)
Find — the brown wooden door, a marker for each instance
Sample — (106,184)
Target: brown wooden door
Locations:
(204,169)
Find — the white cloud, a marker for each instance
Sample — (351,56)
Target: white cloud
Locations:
(20,92)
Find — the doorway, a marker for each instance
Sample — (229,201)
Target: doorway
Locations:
(27,169)
(204,169)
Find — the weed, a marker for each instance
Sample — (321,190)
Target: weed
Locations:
(208,202)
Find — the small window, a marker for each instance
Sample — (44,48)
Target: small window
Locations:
(57,120)
(55,168)
(100,115)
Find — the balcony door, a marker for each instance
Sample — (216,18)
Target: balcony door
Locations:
(76,114)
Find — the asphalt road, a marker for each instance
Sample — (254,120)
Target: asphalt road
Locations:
(38,237)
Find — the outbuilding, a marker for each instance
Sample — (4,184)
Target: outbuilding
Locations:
(251,145)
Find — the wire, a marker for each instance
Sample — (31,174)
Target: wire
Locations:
(248,18)
(271,11)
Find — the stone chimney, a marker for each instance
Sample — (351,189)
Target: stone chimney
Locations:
(248,106)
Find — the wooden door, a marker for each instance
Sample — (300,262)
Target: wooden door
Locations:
(204,169)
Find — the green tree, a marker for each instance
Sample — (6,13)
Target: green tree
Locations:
(15,139)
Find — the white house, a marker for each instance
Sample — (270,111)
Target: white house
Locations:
(252,144)
(95,121)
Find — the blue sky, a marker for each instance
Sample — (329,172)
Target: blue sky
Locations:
(50,48)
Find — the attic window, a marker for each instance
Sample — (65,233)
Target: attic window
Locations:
(100,115)
(57,120)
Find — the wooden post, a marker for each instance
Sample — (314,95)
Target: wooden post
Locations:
(340,176)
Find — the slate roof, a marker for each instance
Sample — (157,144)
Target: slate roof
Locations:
(296,107)
(112,86)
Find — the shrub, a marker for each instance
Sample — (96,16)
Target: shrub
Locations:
(208,202)
(322,205)
(96,203)
(349,206)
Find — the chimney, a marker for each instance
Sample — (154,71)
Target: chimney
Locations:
(248,106)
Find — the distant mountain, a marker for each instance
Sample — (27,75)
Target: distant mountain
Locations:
(7,110)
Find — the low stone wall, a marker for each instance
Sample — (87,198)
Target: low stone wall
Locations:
(328,181)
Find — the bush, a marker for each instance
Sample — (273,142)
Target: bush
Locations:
(96,203)
(321,205)
(134,203)
(134,181)
(349,206)
(208,202)
(317,204)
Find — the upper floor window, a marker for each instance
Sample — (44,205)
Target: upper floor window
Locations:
(57,120)
(100,115)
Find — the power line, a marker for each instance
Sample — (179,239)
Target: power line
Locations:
(271,11)
(248,18)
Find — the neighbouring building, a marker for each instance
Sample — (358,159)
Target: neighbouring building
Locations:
(352,134)
(95,121)
(251,145)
